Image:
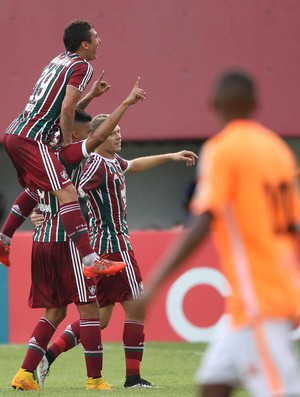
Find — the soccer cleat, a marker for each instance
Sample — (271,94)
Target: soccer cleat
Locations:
(4,255)
(136,381)
(104,267)
(97,384)
(42,370)
(23,380)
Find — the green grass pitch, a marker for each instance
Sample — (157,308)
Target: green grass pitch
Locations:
(170,366)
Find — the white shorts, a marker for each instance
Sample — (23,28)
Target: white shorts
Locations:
(262,359)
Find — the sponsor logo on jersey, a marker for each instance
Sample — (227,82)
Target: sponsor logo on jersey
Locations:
(44,207)
(41,194)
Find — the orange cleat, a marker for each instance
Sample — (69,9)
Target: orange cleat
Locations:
(103,267)
(4,255)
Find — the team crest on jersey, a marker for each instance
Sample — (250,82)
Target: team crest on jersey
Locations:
(92,290)
(64,175)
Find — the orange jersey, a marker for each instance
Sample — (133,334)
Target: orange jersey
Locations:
(247,181)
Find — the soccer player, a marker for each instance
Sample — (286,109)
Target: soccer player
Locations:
(26,201)
(247,195)
(57,277)
(27,139)
(103,180)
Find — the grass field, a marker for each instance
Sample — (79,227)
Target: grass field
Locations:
(170,366)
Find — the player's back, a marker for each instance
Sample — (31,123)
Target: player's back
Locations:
(40,117)
(256,231)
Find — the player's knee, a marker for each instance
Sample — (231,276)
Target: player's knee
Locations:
(103,323)
(56,316)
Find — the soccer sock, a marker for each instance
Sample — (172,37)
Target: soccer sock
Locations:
(133,341)
(19,211)
(90,338)
(68,340)
(37,347)
(76,227)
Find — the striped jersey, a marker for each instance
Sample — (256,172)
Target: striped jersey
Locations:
(52,229)
(40,118)
(103,181)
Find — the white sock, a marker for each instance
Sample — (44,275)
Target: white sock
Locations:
(89,260)
(5,239)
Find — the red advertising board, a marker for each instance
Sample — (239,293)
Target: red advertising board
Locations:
(188,306)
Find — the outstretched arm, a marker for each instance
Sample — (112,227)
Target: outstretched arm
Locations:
(99,87)
(107,127)
(145,163)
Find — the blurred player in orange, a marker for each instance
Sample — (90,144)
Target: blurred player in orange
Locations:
(247,196)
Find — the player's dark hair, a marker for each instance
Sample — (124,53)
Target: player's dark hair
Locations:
(75,33)
(82,117)
(236,85)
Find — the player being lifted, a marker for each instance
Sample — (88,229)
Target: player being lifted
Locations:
(26,140)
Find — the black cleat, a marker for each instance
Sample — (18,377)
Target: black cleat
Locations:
(136,381)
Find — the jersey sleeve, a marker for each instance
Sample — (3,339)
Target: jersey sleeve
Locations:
(124,164)
(214,180)
(73,153)
(81,74)
(92,175)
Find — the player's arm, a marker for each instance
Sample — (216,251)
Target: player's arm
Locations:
(107,127)
(180,251)
(145,163)
(67,114)
(99,87)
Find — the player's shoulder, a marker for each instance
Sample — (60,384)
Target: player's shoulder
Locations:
(119,159)
(94,158)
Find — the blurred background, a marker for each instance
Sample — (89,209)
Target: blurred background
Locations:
(178,47)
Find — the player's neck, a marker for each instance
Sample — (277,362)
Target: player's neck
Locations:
(82,54)
(105,154)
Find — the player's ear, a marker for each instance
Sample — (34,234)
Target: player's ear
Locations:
(85,45)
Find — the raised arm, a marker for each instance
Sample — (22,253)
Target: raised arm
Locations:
(99,87)
(145,163)
(107,127)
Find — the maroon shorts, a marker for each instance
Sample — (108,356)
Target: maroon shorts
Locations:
(57,278)
(36,164)
(126,285)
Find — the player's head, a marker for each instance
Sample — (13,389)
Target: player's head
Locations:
(112,144)
(82,125)
(98,120)
(234,96)
(81,37)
